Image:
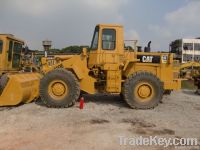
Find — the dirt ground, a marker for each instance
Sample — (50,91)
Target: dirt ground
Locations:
(99,125)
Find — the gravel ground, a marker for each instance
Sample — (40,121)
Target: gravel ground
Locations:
(99,125)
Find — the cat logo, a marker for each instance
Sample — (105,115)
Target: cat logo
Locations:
(148,59)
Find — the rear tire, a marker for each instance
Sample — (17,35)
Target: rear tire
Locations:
(142,90)
(59,88)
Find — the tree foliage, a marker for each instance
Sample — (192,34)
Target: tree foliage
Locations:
(75,49)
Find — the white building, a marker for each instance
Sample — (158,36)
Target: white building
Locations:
(186,49)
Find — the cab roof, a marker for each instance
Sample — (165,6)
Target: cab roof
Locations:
(109,25)
(12,37)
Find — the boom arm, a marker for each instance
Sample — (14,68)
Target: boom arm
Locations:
(190,64)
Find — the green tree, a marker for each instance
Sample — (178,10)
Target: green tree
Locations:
(73,49)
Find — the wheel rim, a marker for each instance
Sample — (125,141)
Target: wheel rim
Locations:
(58,89)
(144,92)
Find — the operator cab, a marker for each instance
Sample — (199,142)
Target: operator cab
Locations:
(107,44)
(10,53)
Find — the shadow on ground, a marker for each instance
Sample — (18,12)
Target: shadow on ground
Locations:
(100,99)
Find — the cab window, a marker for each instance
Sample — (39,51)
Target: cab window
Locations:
(16,55)
(1,46)
(95,39)
(108,39)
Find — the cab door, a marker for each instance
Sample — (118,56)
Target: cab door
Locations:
(109,54)
(103,49)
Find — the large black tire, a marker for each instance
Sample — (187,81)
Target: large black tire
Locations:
(3,82)
(143,90)
(59,79)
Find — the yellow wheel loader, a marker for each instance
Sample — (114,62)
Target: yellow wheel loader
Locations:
(16,86)
(140,77)
(194,72)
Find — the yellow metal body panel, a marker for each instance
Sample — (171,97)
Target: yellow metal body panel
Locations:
(113,82)
(21,88)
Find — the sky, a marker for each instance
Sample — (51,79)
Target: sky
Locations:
(72,22)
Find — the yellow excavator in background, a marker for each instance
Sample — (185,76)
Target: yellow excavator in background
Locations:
(186,53)
(194,73)
(16,85)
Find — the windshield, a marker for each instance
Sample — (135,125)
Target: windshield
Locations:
(94,45)
(1,46)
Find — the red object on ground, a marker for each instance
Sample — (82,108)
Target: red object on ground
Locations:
(81,103)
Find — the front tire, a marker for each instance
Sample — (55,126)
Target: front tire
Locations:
(143,90)
(59,88)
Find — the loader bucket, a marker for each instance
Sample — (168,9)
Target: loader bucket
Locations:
(20,88)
